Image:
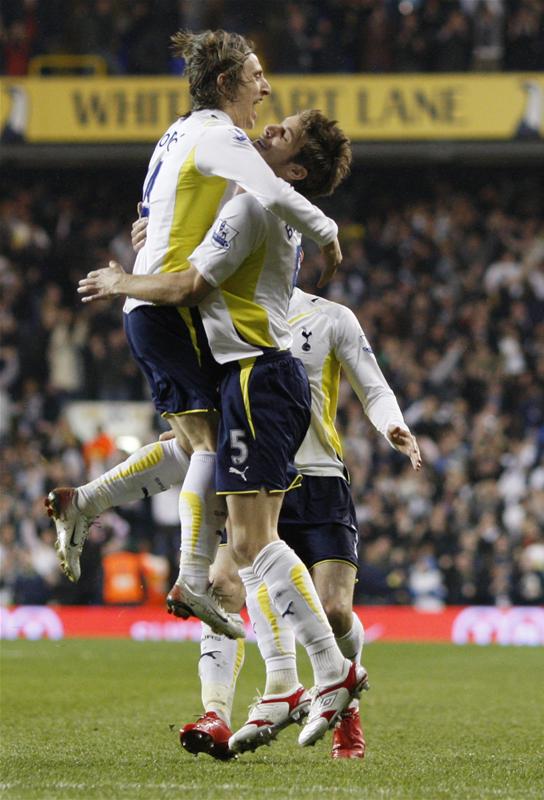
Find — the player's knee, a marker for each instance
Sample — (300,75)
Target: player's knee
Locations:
(245,552)
(339,614)
(230,589)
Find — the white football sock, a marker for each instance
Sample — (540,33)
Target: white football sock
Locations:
(221,660)
(203,516)
(150,470)
(293,593)
(351,643)
(275,637)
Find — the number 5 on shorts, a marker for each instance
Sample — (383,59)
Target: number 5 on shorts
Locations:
(238,447)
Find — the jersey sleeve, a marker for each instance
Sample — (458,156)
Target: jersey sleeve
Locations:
(227,152)
(364,374)
(236,233)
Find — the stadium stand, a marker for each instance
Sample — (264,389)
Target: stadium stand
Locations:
(315,36)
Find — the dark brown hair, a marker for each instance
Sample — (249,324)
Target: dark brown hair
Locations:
(326,154)
(206,56)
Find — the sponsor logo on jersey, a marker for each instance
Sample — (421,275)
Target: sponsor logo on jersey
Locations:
(364,344)
(223,234)
(239,135)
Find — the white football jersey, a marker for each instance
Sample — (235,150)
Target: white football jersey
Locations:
(328,338)
(193,171)
(252,256)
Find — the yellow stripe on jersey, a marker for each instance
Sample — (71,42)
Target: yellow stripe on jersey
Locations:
(248,317)
(269,613)
(185,314)
(301,316)
(304,586)
(245,374)
(197,200)
(150,459)
(195,504)
(330,382)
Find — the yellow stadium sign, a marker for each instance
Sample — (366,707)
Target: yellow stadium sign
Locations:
(369,108)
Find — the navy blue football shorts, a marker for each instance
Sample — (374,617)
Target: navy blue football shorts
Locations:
(171,348)
(318,521)
(265,413)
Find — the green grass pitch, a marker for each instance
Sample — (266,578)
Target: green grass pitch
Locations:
(99,719)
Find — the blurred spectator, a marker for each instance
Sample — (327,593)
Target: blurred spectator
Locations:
(376,38)
(453,40)
(487,43)
(293,49)
(525,37)
(410,45)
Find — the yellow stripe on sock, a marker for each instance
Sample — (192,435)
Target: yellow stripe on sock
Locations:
(150,459)
(263,598)
(299,575)
(195,504)
(240,650)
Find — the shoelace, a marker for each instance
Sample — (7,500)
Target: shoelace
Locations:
(254,703)
(216,597)
(87,522)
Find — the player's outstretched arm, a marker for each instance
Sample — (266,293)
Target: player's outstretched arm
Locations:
(355,355)
(187,288)
(228,153)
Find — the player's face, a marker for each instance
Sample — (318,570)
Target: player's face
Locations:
(279,144)
(252,90)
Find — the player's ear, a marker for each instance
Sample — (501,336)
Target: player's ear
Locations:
(220,81)
(296,172)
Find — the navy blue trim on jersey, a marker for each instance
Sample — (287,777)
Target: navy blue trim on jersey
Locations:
(265,414)
(182,378)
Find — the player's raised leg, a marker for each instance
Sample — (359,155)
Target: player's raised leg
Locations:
(173,353)
(203,516)
(148,471)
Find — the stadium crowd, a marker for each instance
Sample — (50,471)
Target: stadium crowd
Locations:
(447,278)
(311,36)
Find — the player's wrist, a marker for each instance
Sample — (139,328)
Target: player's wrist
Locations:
(120,284)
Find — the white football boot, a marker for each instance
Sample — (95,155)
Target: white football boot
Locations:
(183,602)
(328,703)
(72,528)
(268,716)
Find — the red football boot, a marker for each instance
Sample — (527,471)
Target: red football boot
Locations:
(209,734)
(348,739)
